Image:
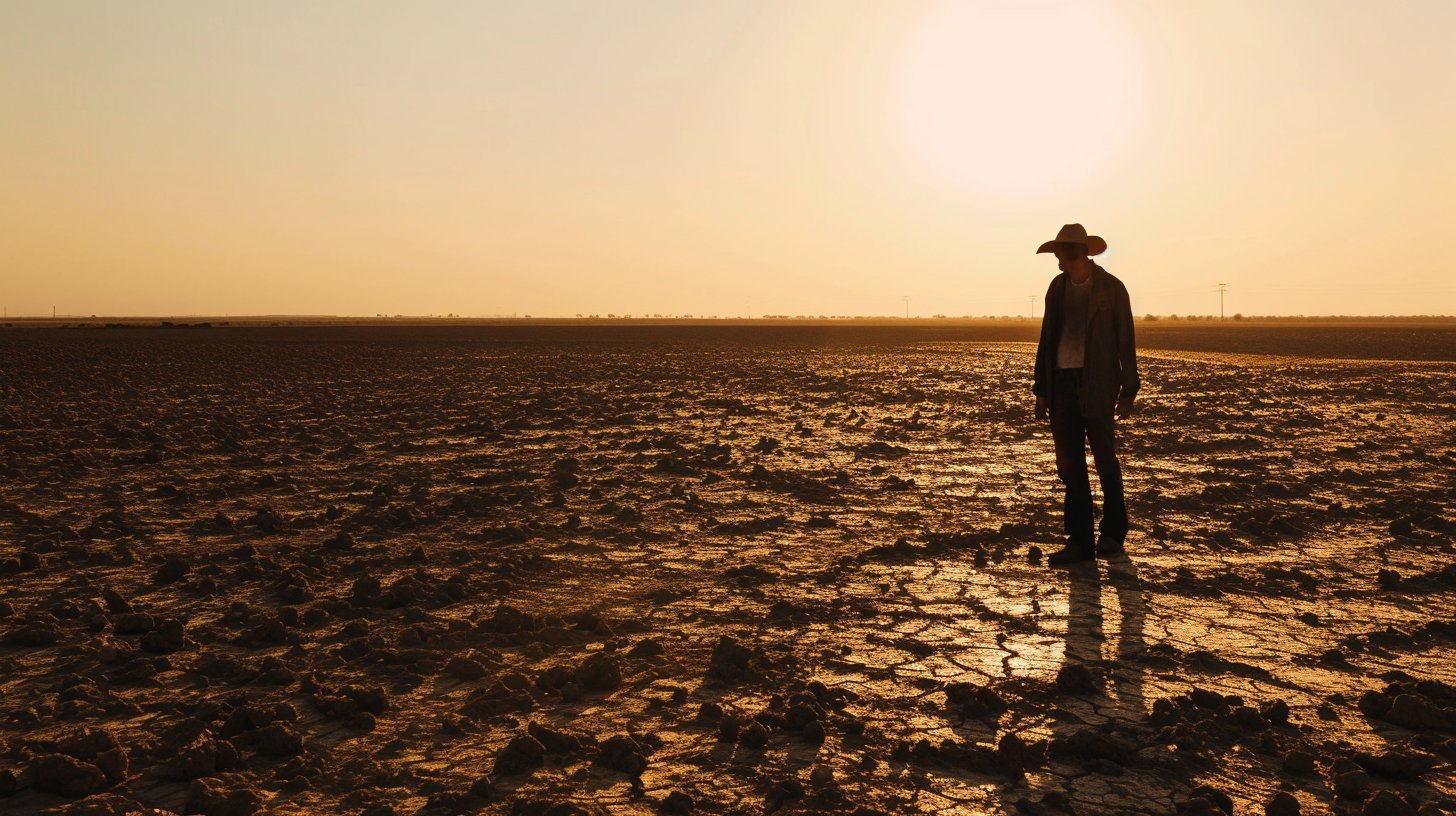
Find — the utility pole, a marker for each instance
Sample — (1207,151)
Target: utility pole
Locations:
(1221,288)
(907,307)
(1031,299)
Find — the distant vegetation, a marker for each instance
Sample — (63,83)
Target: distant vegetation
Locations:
(1240,317)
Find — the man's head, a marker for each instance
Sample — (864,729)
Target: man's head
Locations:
(1069,255)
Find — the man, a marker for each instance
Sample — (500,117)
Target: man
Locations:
(1086,366)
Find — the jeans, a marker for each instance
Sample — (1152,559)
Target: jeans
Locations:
(1072,434)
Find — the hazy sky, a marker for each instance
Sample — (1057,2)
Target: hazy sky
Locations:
(665,156)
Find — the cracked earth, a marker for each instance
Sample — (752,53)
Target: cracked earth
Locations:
(403,571)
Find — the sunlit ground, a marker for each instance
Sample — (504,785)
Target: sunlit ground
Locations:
(765,576)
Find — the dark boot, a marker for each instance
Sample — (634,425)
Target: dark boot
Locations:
(1110,546)
(1072,553)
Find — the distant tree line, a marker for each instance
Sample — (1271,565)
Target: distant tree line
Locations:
(1152,318)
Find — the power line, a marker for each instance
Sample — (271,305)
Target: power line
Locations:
(1376,289)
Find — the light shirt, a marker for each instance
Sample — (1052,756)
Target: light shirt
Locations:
(1073,344)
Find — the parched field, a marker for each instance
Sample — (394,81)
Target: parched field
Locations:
(532,571)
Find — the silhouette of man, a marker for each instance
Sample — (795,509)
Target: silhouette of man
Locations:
(1086,366)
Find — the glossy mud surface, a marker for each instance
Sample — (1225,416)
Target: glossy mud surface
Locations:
(345,571)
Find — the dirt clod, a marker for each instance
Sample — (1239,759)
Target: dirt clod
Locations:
(599,672)
(1076,678)
(521,755)
(227,795)
(1282,803)
(59,773)
(623,753)
(678,803)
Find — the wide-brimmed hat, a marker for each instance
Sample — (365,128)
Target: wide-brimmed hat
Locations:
(1076,234)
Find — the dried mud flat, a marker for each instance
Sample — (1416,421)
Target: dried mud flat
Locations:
(394,571)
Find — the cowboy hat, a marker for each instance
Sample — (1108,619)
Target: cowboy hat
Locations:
(1076,234)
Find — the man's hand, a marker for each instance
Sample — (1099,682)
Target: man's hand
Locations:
(1041,409)
(1125,408)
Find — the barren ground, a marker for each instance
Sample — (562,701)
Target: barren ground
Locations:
(401,570)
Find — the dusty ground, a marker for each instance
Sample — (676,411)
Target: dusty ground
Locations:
(387,571)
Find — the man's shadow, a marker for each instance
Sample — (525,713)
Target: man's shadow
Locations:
(1101,677)
(1088,632)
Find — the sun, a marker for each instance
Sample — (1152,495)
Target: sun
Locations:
(1018,97)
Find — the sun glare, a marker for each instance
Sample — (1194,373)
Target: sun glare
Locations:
(1017,98)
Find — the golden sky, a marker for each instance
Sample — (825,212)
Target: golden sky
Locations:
(793,157)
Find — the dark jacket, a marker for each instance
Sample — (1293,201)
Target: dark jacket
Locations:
(1109,367)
